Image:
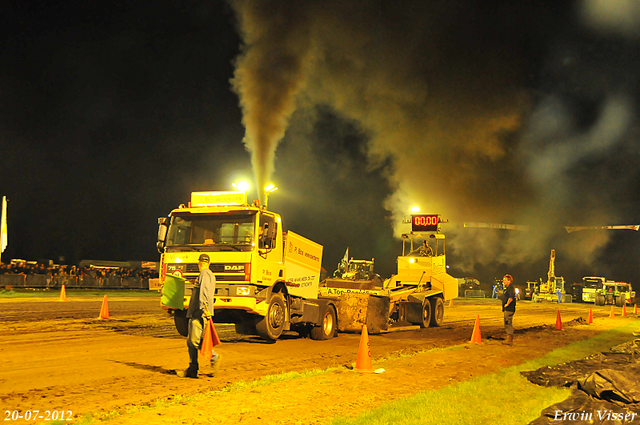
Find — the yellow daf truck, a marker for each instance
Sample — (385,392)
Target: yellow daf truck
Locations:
(266,279)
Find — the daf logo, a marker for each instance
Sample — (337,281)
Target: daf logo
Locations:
(233,268)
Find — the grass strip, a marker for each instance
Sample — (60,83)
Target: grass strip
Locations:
(501,398)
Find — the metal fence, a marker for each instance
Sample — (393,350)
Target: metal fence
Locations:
(15,280)
(86,281)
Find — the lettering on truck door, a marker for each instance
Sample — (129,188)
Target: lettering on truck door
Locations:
(303,262)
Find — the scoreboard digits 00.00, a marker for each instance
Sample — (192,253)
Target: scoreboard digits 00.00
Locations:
(425,222)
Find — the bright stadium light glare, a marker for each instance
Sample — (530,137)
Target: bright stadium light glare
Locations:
(415,209)
(242,186)
(270,188)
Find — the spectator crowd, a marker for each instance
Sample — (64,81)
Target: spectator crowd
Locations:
(64,270)
(53,274)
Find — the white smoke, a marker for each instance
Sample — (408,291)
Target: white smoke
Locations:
(621,17)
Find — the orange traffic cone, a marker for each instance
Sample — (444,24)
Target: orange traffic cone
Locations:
(216,340)
(104,311)
(475,336)
(451,302)
(558,322)
(590,320)
(363,363)
(209,341)
(63,294)
(613,313)
(624,310)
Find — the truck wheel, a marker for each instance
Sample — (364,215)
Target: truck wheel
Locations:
(437,310)
(327,327)
(271,326)
(619,300)
(426,314)
(181,321)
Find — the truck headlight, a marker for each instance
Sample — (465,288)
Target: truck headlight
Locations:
(243,290)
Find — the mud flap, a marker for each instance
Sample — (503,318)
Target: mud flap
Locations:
(355,310)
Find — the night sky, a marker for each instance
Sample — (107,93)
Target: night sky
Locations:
(111,113)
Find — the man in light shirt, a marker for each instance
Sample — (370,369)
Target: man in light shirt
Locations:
(199,311)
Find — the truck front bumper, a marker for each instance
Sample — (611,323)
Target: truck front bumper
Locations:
(248,304)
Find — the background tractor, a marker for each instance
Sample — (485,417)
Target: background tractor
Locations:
(554,286)
(617,293)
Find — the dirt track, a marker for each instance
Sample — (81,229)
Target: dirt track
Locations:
(58,355)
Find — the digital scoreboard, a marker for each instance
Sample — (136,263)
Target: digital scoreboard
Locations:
(425,222)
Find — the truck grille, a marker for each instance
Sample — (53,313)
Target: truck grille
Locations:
(216,268)
(227,278)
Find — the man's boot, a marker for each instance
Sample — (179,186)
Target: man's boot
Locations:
(191,372)
(509,340)
(188,373)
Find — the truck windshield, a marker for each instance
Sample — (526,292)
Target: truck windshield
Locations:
(623,288)
(211,231)
(592,284)
(357,267)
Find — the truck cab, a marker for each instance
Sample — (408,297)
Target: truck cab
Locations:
(591,285)
(359,270)
(241,241)
(532,288)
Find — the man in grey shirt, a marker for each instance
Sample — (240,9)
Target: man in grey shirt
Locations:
(199,311)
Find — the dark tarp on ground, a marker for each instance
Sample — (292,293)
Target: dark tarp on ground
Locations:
(603,384)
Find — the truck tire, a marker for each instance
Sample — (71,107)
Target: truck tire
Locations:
(619,300)
(437,311)
(426,314)
(181,322)
(270,327)
(328,325)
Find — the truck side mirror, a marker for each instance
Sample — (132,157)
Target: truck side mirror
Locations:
(162,233)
